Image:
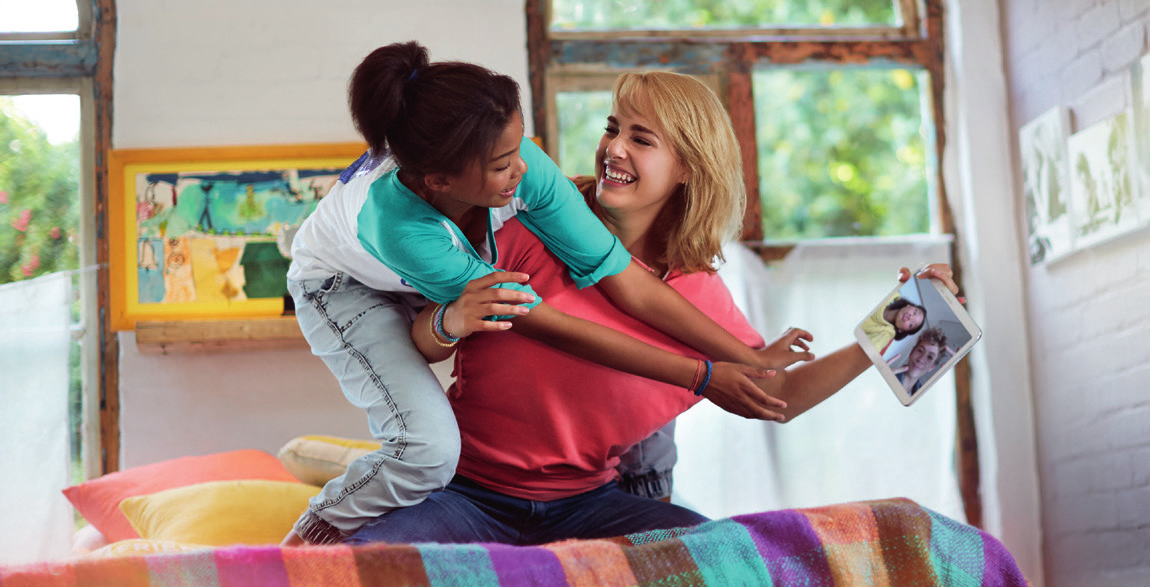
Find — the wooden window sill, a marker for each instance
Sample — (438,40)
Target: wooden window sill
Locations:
(191,336)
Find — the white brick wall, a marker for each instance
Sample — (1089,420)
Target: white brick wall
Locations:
(1089,314)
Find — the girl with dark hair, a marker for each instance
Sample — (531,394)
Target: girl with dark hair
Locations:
(414,220)
(899,319)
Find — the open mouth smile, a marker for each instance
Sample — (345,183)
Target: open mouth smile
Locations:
(618,176)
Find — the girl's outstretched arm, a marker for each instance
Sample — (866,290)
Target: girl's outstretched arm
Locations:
(804,386)
(646,297)
(731,387)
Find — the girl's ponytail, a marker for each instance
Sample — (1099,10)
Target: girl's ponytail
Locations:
(430,117)
(377,88)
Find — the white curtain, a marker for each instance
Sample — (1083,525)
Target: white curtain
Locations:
(859,444)
(34,453)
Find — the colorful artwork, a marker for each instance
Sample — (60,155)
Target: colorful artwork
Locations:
(199,230)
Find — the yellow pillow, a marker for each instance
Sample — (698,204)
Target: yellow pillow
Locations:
(318,459)
(139,546)
(220,513)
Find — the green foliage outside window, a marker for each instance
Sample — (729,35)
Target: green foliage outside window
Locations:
(582,119)
(39,202)
(841,153)
(688,14)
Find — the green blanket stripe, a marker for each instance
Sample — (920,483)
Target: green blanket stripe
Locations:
(726,555)
(957,552)
(462,565)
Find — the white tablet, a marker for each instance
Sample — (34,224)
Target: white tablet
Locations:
(916,334)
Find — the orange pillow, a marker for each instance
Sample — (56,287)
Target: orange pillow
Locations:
(98,500)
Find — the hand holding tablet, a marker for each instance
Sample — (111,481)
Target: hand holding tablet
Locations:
(917,333)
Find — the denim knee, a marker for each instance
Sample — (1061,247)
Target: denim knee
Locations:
(433,455)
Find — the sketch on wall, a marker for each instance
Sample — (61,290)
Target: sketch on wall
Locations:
(1102,183)
(1046,185)
(1140,92)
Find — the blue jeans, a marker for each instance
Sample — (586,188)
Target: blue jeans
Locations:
(364,337)
(465,512)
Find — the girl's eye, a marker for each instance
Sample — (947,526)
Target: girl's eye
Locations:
(610,130)
(642,141)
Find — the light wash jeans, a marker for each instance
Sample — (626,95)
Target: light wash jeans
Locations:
(364,337)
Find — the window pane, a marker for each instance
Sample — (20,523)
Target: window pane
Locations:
(40,207)
(574,15)
(843,153)
(38,16)
(582,118)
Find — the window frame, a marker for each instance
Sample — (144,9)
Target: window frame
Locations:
(729,57)
(80,62)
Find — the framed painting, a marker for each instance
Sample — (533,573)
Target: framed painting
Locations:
(1140,95)
(1102,185)
(1046,185)
(202,233)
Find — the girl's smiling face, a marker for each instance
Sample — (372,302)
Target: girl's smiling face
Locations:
(492,182)
(635,164)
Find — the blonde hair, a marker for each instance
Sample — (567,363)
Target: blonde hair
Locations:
(708,210)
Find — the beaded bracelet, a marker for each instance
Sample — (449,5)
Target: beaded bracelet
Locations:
(438,334)
(695,380)
(706,380)
(440,316)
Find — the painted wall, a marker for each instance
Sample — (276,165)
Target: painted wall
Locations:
(258,72)
(1089,320)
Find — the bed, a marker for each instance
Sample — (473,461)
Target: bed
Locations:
(214,520)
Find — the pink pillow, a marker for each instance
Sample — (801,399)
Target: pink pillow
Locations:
(98,500)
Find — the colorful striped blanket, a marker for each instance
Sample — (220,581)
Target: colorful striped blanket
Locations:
(890,542)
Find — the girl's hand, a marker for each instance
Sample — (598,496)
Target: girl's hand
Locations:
(480,299)
(731,389)
(939,271)
(781,353)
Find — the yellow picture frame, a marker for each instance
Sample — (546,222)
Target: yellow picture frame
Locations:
(190,227)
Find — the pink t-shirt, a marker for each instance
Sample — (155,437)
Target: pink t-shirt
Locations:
(540,424)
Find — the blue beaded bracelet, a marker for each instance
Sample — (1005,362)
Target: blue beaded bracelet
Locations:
(439,325)
(706,380)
